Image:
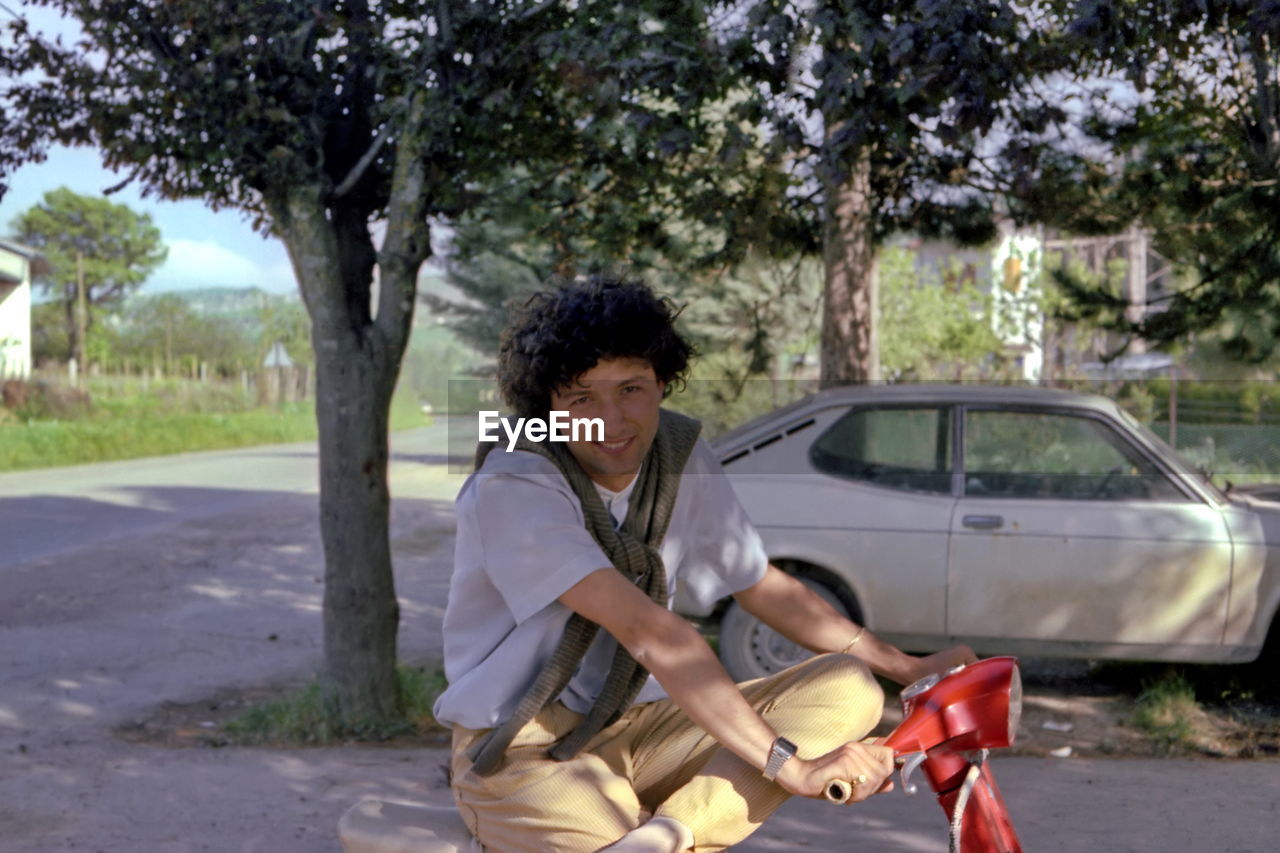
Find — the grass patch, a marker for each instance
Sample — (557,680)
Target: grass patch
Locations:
(1167,711)
(1215,685)
(1230,710)
(128,418)
(302,719)
(43,444)
(406,412)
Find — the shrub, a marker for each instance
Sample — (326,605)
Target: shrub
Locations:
(1166,710)
(42,401)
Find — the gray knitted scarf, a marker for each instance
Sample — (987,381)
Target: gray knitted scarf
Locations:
(633,550)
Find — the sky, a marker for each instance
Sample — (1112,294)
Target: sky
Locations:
(206,249)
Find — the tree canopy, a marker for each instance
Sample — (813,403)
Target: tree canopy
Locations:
(108,247)
(933,329)
(830,126)
(887,112)
(1182,135)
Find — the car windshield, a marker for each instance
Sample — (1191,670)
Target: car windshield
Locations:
(1172,455)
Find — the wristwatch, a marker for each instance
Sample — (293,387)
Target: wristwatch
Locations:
(781,750)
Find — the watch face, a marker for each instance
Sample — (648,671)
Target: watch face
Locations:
(784,745)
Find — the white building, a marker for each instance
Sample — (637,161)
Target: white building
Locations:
(1010,270)
(17,262)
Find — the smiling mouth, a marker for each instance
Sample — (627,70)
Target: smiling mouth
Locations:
(615,447)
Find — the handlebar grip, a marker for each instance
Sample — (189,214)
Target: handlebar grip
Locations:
(837,791)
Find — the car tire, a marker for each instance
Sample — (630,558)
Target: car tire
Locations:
(751,649)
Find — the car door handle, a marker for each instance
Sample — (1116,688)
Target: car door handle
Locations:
(983,522)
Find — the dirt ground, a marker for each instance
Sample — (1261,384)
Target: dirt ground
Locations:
(1072,705)
(1067,712)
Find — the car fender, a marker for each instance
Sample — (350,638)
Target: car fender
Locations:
(781,550)
(1266,628)
(1255,574)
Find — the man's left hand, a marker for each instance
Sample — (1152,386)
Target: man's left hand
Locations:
(939,662)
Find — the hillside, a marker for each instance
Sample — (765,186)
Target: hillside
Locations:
(219,301)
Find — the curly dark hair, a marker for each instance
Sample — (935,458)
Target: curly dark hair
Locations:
(560,332)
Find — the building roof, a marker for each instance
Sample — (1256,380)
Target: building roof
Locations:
(37,261)
(19,249)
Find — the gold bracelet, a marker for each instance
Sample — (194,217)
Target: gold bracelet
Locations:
(856,637)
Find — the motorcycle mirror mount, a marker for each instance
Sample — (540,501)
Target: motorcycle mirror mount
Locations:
(911,763)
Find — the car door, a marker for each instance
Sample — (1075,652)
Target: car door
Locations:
(1070,536)
(883,511)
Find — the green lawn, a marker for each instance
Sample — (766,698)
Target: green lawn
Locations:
(130,419)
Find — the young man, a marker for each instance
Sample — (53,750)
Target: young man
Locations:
(586,714)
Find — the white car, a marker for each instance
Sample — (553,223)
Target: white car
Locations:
(1020,520)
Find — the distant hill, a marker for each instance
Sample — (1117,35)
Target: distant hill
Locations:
(222,301)
(245,304)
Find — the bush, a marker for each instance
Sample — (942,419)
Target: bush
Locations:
(31,401)
(1218,402)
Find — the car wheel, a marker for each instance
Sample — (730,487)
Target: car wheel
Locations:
(751,649)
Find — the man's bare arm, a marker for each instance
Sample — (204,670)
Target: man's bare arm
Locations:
(670,648)
(798,613)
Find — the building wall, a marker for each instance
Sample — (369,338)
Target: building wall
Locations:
(15,316)
(1016,263)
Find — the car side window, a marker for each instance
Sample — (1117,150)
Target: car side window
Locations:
(1050,455)
(899,448)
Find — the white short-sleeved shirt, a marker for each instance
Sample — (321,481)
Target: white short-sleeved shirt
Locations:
(522,543)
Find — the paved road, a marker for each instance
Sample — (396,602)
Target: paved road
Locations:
(52,511)
(129,585)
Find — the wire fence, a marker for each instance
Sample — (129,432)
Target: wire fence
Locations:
(1235,453)
(1230,429)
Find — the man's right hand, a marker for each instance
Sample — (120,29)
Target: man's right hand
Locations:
(809,777)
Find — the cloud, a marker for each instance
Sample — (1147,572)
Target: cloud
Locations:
(204,263)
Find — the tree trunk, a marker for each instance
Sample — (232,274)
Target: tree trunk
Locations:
(355,375)
(82,317)
(850,341)
(361,614)
(75,345)
(358,356)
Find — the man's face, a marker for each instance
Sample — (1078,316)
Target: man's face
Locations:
(625,394)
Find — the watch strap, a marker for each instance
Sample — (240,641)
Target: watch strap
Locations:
(781,750)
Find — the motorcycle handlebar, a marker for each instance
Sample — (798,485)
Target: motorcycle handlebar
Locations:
(837,791)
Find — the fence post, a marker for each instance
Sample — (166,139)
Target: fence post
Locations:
(264,391)
(1173,407)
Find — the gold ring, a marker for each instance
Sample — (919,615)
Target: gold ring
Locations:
(862,778)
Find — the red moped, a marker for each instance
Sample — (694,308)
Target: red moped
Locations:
(949,723)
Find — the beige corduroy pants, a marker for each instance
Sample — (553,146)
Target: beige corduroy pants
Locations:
(655,761)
